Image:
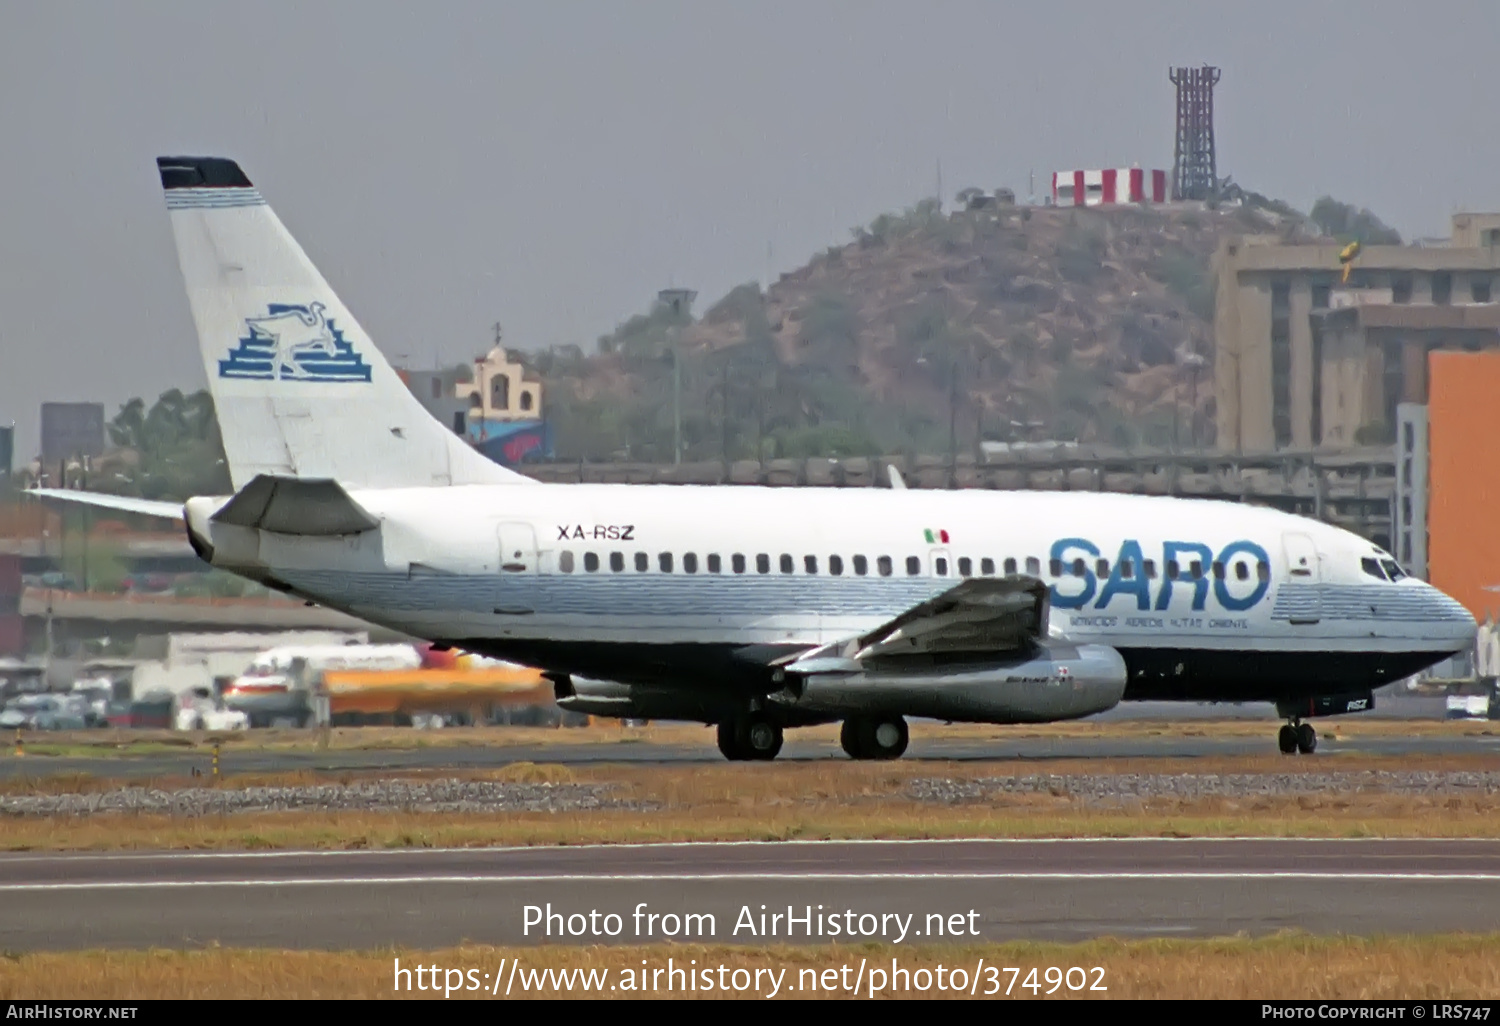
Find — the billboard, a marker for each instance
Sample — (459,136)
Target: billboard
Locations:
(1463,547)
(70,430)
(511,442)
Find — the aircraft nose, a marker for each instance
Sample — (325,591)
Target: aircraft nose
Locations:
(1449,619)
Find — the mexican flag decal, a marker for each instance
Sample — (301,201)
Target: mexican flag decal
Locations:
(936,537)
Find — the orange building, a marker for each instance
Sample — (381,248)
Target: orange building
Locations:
(1463,513)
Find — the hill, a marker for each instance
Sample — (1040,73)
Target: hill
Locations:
(1061,323)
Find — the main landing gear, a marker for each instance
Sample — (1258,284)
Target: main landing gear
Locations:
(1297,737)
(874,737)
(750,737)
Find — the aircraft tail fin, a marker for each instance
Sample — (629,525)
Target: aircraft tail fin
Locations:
(300,390)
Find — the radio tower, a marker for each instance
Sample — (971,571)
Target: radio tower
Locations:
(1195,169)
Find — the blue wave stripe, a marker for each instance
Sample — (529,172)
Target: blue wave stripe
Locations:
(1366,602)
(185,199)
(738,596)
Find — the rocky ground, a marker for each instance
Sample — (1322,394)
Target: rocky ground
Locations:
(1124,787)
(372,796)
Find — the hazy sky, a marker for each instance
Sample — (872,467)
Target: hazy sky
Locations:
(551,165)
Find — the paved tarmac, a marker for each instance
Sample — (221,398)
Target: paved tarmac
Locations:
(1167,745)
(950,890)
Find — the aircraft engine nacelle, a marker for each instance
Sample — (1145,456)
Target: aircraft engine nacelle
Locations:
(638,702)
(1055,682)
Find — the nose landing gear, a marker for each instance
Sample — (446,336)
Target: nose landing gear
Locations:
(1297,737)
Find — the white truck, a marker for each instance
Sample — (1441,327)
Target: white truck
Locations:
(200,709)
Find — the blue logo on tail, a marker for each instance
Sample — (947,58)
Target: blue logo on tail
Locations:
(294,343)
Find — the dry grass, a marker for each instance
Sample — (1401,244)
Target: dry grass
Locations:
(816,800)
(1290,966)
(135,742)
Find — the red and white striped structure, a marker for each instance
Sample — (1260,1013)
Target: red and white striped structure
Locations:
(1111,185)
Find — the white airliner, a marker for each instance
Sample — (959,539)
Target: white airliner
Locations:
(755,609)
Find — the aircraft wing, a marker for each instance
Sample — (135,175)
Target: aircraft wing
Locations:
(123,503)
(978,616)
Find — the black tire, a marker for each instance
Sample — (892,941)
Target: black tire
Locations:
(759,737)
(1307,739)
(1287,740)
(886,737)
(850,736)
(874,737)
(729,742)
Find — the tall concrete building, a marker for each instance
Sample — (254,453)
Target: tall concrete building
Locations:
(1303,359)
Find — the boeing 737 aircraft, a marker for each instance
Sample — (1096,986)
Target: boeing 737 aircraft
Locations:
(756,609)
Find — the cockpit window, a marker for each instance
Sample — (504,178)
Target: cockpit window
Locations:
(1371,567)
(1392,569)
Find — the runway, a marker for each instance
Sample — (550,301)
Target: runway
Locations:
(939,890)
(1170,745)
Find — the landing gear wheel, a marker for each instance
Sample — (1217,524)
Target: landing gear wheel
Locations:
(729,743)
(749,737)
(760,738)
(1287,740)
(1307,739)
(874,737)
(849,738)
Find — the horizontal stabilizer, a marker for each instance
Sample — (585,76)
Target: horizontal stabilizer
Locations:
(122,503)
(288,505)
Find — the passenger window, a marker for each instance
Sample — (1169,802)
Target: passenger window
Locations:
(665,562)
(737,562)
(1148,569)
(787,564)
(1218,569)
(1055,566)
(1393,569)
(1241,570)
(763,564)
(835,565)
(1172,572)
(810,563)
(690,563)
(1033,566)
(965,567)
(1371,567)
(642,562)
(1010,566)
(565,562)
(591,561)
(913,566)
(883,564)
(1127,569)
(617,561)
(1196,569)
(1080,568)
(861,565)
(987,567)
(940,565)
(715,566)
(1263,570)
(1102,568)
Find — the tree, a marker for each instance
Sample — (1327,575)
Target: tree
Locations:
(1349,224)
(177,447)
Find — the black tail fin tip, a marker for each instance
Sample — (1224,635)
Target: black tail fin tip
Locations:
(201,173)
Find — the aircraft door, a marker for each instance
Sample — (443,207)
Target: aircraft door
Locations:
(517,548)
(1303,577)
